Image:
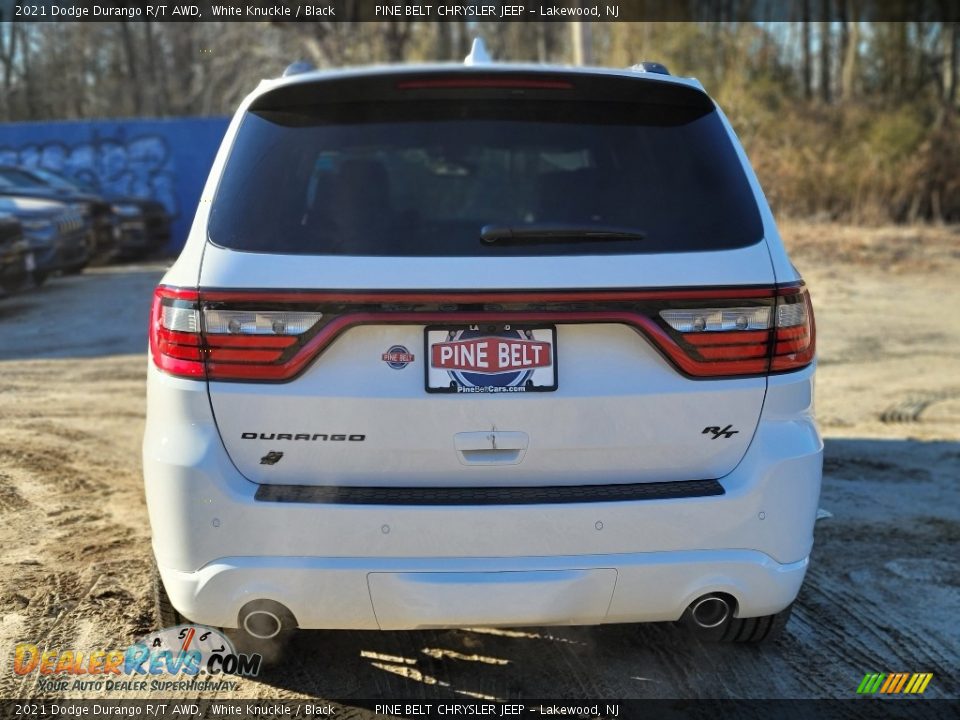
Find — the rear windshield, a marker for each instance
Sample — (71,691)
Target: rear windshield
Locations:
(425,177)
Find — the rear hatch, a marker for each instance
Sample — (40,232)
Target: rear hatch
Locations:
(485,278)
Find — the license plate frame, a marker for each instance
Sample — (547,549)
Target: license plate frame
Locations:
(542,375)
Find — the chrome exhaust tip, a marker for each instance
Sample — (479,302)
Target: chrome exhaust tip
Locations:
(710,611)
(265,620)
(262,624)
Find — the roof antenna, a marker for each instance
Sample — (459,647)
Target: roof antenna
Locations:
(478,54)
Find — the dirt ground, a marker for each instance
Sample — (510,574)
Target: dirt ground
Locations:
(881,595)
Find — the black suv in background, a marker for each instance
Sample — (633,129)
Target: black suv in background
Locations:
(15,259)
(94,210)
(142,225)
(55,231)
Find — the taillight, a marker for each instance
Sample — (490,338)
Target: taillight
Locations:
(175,340)
(253,344)
(795,336)
(274,336)
(771,335)
(189,340)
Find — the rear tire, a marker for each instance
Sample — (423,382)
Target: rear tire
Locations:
(763,629)
(167,615)
(40,277)
(74,269)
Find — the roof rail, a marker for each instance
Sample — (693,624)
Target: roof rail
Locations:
(650,67)
(478,54)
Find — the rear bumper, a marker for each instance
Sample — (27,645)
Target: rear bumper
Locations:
(411,593)
(389,566)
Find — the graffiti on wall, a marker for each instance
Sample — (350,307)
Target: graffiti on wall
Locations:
(139,167)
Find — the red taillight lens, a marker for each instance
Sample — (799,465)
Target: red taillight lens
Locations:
(191,340)
(254,344)
(175,339)
(737,338)
(732,339)
(795,337)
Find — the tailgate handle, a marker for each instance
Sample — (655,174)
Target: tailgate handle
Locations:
(491,447)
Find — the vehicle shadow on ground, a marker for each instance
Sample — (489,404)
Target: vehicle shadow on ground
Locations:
(469,665)
(88,315)
(894,525)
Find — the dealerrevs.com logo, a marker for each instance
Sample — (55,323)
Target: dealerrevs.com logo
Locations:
(183,652)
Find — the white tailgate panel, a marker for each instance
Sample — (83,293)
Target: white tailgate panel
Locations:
(621,414)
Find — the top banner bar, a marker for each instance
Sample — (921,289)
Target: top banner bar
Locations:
(474,11)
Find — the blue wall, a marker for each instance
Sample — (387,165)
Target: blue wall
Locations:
(167,160)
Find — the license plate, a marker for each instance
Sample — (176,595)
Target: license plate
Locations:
(494,358)
(30,262)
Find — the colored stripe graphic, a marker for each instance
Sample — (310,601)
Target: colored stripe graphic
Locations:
(891,683)
(894,683)
(921,685)
(871,683)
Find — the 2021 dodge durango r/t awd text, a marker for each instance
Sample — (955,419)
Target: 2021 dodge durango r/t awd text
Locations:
(482,346)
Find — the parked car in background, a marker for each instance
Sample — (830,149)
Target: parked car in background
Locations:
(56,234)
(97,212)
(16,261)
(142,225)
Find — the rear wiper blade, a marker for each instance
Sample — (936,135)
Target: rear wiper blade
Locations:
(551,232)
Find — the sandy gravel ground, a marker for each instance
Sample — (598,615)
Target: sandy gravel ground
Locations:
(881,595)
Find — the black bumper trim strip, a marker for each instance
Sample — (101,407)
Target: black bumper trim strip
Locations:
(555,494)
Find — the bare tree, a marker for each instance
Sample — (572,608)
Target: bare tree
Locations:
(807,63)
(825,55)
(851,52)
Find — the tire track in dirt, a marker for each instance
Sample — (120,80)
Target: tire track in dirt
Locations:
(854,633)
(10,499)
(910,408)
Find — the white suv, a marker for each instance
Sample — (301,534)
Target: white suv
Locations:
(480,346)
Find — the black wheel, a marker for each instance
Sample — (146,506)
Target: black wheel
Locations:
(728,628)
(74,269)
(40,277)
(167,615)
